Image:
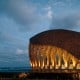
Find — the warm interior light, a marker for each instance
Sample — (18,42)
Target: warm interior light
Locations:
(52,57)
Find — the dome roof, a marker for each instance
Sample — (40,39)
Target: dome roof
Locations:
(65,39)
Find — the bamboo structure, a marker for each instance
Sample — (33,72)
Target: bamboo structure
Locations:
(55,49)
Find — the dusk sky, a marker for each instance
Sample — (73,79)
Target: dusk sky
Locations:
(22,19)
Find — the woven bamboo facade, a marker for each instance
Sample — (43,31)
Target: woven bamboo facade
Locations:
(55,49)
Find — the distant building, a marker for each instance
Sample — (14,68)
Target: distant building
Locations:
(55,49)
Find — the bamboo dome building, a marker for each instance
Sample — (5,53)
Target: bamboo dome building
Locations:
(55,49)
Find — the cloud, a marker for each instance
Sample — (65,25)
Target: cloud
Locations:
(66,21)
(26,14)
(63,3)
(21,11)
(12,41)
(49,12)
(21,51)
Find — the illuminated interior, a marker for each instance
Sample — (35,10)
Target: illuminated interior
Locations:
(52,57)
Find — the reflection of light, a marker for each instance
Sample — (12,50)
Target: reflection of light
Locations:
(22,75)
(31,63)
(49,57)
(39,63)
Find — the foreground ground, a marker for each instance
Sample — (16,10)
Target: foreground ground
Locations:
(38,76)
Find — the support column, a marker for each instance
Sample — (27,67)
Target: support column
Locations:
(47,52)
(65,59)
(74,60)
(53,51)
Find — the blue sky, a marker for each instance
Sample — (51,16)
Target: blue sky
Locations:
(22,19)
